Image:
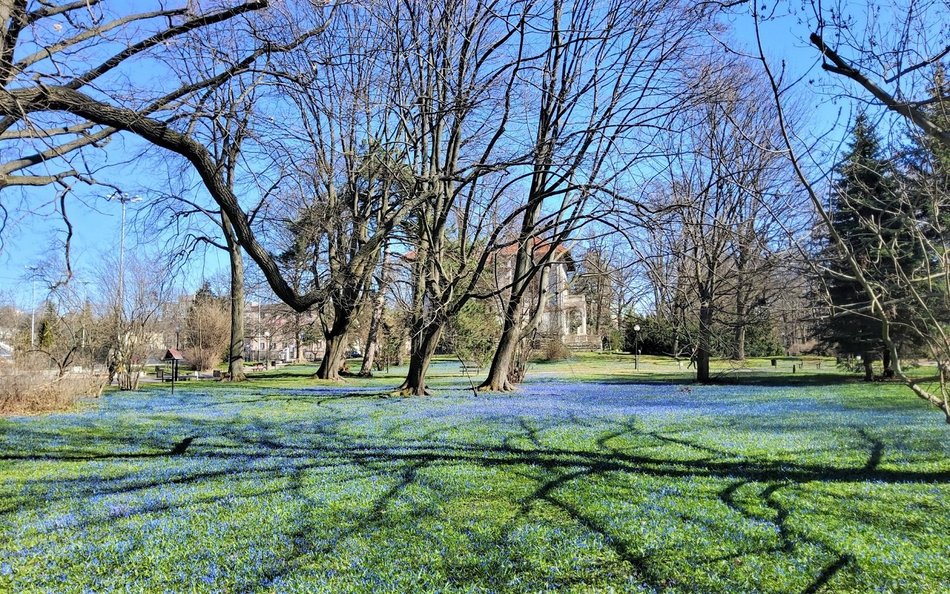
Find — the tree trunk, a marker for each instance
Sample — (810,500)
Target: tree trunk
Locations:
(705,332)
(298,340)
(372,339)
(334,344)
(332,356)
(346,307)
(743,292)
(376,320)
(500,377)
(868,362)
(739,353)
(236,349)
(419,359)
(888,371)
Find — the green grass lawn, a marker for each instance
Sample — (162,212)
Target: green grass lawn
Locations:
(593,478)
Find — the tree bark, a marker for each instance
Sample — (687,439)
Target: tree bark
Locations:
(376,320)
(419,359)
(335,339)
(236,349)
(739,352)
(372,339)
(705,334)
(332,356)
(742,307)
(888,371)
(500,373)
(498,379)
(867,361)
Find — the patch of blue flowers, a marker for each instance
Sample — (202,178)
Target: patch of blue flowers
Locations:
(563,486)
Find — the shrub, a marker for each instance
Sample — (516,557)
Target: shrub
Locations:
(473,333)
(32,391)
(554,349)
(207,331)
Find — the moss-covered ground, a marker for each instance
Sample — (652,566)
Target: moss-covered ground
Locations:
(592,478)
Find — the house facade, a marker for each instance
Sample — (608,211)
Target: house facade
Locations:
(565,312)
(274,332)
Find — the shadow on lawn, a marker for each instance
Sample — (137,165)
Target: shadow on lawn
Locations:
(259,450)
(301,374)
(743,378)
(301,396)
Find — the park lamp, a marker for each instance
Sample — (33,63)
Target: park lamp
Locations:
(636,347)
(266,349)
(33,268)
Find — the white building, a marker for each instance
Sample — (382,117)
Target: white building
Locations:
(565,312)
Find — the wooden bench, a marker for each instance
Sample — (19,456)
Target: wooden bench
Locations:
(468,366)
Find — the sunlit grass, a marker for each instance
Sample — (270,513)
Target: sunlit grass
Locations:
(587,480)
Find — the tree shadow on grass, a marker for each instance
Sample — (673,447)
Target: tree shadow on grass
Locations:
(748,378)
(263,450)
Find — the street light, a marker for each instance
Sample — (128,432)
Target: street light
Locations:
(266,349)
(636,347)
(32,270)
(123,199)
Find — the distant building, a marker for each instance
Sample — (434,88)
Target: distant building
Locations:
(565,312)
(274,331)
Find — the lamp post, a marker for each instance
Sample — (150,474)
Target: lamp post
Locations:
(266,349)
(124,200)
(636,347)
(32,270)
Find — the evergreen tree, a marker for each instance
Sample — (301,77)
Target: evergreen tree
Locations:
(927,162)
(875,224)
(926,181)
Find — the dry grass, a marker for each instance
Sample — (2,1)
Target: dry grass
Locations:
(31,392)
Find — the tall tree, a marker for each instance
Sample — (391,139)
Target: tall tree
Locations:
(348,184)
(865,181)
(725,189)
(461,63)
(603,91)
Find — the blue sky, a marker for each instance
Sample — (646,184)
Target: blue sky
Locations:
(33,240)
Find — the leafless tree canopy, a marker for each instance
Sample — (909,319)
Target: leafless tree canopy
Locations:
(338,144)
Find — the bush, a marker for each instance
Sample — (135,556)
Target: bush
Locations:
(32,391)
(657,336)
(207,331)
(554,349)
(473,334)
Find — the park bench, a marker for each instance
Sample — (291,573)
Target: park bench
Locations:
(797,362)
(469,366)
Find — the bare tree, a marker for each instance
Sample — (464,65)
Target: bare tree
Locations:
(595,117)
(725,178)
(460,63)
(888,49)
(148,116)
(132,331)
(82,45)
(206,330)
